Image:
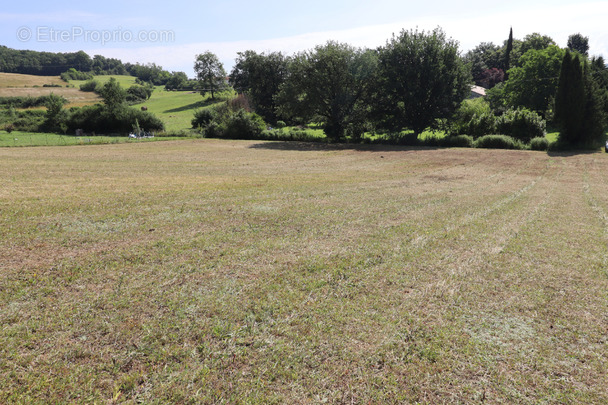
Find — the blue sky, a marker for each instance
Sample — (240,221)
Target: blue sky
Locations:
(171,33)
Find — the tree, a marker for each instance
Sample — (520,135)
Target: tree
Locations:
(331,84)
(260,77)
(596,117)
(178,80)
(113,95)
(534,83)
(485,56)
(535,41)
(570,100)
(579,43)
(55,115)
(210,73)
(490,78)
(421,79)
(509,48)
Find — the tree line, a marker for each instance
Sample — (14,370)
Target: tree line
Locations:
(80,66)
(419,80)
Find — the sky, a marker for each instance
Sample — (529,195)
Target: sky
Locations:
(172,33)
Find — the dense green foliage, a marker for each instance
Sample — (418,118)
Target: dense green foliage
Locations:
(42,63)
(473,117)
(228,120)
(28,101)
(580,103)
(570,99)
(260,76)
(210,73)
(521,124)
(498,142)
(533,84)
(90,85)
(539,143)
(578,43)
(73,74)
(138,94)
(421,79)
(330,84)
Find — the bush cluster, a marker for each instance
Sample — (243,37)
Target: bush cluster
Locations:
(229,120)
(475,118)
(521,124)
(97,118)
(498,142)
(27,101)
(90,85)
(73,74)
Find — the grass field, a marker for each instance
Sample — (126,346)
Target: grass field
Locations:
(18,85)
(210,271)
(18,138)
(175,108)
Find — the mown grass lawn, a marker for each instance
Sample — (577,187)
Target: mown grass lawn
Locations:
(211,271)
(18,138)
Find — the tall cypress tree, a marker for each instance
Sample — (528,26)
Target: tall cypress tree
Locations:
(570,101)
(508,54)
(594,120)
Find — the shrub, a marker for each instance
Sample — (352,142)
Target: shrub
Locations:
(498,142)
(539,143)
(137,94)
(29,101)
(29,120)
(482,124)
(73,74)
(91,85)
(244,125)
(458,141)
(521,124)
(203,117)
(98,118)
(473,117)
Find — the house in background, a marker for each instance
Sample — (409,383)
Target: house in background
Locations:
(477,91)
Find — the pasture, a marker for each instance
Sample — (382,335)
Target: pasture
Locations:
(210,271)
(18,85)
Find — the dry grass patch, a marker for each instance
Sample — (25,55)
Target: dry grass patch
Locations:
(248,272)
(18,85)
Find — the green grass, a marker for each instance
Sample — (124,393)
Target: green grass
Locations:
(210,271)
(123,80)
(175,108)
(18,138)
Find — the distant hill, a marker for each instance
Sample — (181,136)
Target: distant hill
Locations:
(42,63)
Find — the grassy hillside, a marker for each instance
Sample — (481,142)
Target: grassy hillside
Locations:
(125,81)
(18,85)
(264,272)
(175,108)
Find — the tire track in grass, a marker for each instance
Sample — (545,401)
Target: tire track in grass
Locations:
(599,211)
(467,219)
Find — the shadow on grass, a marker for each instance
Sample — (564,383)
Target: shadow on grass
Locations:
(573,152)
(324,146)
(198,104)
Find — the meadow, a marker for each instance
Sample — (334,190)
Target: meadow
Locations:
(18,85)
(211,271)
